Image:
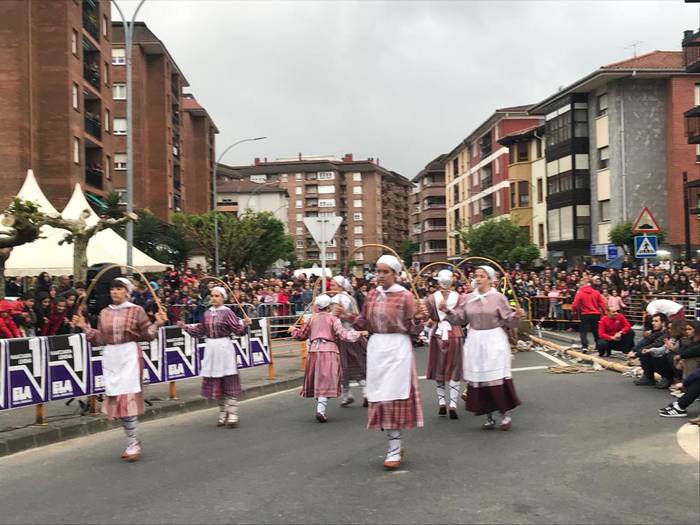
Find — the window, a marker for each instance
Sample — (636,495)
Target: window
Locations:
(325,189)
(455,167)
(523,151)
(108,167)
(540,235)
(119,126)
(108,119)
(76,150)
(119,91)
(299,204)
(300,243)
(326,203)
(566,223)
(258,178)
(523,193)
(357,216)
(602,104)
(74,42)
(299,176)
(539,147)
(512,154)
(603,157)
(580,123)
(358,230)
(331,256)
(604,210)
(558,126)
(299,190)
(485,144)
(357,190)
(357,203)
(326,214)
(553,225)
(300,217)
(104,26)
(583,221)
(540,187)
(357,177)
(326,175)
(513,198)
(359,256)
(300,230)
(74,96)
(358,242)
(106,73)
(118,57)
(119,161)
(697,153)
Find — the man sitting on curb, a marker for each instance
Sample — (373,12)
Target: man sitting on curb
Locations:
(652,355)
(614,333)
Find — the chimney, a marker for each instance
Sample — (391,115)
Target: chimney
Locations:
(300,155)
(347,157)
(257,161)
(265,160)
(688,34)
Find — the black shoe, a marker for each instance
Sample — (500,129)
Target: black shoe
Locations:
(442,411)
(453,414)
(365,403)
(671,411)
(663,383)
(644,381)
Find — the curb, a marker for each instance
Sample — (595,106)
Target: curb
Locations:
(35,437)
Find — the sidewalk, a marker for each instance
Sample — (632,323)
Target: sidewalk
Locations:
(17,431)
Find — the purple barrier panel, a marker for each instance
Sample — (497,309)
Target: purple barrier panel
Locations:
(27,371)
(153,359)
(3,376)
(259,342)
(96,381)
(179,349)
(68,366)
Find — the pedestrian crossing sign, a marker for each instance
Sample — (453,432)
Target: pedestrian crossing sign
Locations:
(645,246)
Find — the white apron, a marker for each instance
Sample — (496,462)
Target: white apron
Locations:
(486,355)
(219,358)
(121,370)
(389,361)
(443,327)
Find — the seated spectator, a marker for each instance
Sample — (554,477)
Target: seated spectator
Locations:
(691,386)
(652,354)
(58,322)
(25,316)
(689,348)
(614,333)
(8,328)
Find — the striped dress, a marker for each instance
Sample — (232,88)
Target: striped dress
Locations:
(444,356)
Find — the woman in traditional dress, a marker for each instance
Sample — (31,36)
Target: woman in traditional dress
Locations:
(446,344)
(322,373)
(487,354)
(353,356)
(120,327)
(219,368)
(392,315)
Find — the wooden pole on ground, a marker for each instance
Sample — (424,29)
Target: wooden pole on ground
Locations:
(579,355)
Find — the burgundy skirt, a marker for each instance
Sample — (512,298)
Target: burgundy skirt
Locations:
(322,375)
(484,398)
(353,360)
(218,387)
(125,405)
(400,413)
(445,359)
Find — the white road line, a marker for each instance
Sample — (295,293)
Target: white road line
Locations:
(552,358)
(522,369)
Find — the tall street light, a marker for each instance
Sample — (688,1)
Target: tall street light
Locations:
(128,41)
(215,199)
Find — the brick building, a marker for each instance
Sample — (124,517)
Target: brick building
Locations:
(428,214)
(55,96)
(198,144)
(691,61)
(372,200)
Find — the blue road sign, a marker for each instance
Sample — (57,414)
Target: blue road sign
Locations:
(612,252)
(645,246)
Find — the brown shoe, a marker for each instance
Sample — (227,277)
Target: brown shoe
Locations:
(321,418)
(347,402)
(391,465)
(505,427)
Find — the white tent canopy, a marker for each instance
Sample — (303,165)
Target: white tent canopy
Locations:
(45,254)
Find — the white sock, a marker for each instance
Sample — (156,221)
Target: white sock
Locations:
(394,451)
(454,393)
(347,392)
(321,403)
(676,406)
(363,384)
(506,418)
(440,388)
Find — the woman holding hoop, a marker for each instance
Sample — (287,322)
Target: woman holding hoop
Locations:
(487,353)
(120,327)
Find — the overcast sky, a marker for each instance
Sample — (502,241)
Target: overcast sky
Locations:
(401,81)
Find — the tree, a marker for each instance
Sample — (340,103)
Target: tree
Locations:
(622,235)
(501,240)
(408,248)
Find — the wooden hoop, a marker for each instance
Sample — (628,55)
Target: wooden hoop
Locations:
(230,293)
(501,269)
(408,275)
(313,298)
(95,280)
(464,277)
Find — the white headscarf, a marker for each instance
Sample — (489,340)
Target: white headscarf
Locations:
(343,283)
(222,291)
(489,271)
(444,278)
(391,261)
(126,282)
(322,301)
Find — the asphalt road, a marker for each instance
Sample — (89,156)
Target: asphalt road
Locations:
(585,448)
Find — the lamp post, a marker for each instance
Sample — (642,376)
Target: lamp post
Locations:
(128,41)
(256,190)
(215,199)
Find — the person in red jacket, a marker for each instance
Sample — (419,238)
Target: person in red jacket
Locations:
(590,305)
(8,328)
(58,322)
(614,333)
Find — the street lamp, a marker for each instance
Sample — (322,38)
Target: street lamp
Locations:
(252,193)
(215,199)
(128,41)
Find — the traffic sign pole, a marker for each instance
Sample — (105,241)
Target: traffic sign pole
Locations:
(323,257)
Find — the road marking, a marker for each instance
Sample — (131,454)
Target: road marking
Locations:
(552,358)
(688,437)
(522,369)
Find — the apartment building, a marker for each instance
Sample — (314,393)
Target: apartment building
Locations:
(615,143)
(198,145)
(691,61)
(373,202)
(528,183)
(476,173)
(55,97)
(236,195)
(429,214)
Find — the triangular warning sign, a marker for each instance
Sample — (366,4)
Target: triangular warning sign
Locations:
(646,248)
(646,223)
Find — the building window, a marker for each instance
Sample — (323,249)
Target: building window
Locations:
(331,256)
(258,178)
(523,151)
(106,74)
(697,94)
(523,194)
(602,104)
(119,126)
(485,144)
(358,230)
(455,167)
(540,235)
(357,190)
(326,214)
(539,147)
(580,123)
(326,203)
(74,42)
(326,175)
(119,91)
(108,167)
(300,243)
(323,189)
(558,127)
(513,197)
(358,242)
(299,204)
(299,176)
(105,26)
(583,222)
(697,153)
(357,203)
(74,97)
(300,230)
(119,161)
(76,150)
(604,210)
(540,192)
(603,157)
(298,190)
(118,57)
(108,120)
(359,256)
(357,216)
(357,177)
(300,217)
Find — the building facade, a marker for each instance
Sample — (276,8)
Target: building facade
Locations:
(198,145)
(55,97)
(372,201)
(238,195)
(691,61)
(476,174)
(429,214)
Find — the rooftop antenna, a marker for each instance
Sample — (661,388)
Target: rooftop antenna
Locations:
(634,45)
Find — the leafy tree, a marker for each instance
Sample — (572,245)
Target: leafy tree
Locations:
(501,240)
(622,235)
(408,248)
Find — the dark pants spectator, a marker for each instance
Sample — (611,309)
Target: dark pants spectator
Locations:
(692,392)
(623,345)
(661,365)
(589,323)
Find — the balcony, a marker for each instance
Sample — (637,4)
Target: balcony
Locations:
(177,184)
(487,213)
(93,177)
(90,19)
(692,125)
(691,51)
(91,73)
(93,126)
(486,183)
